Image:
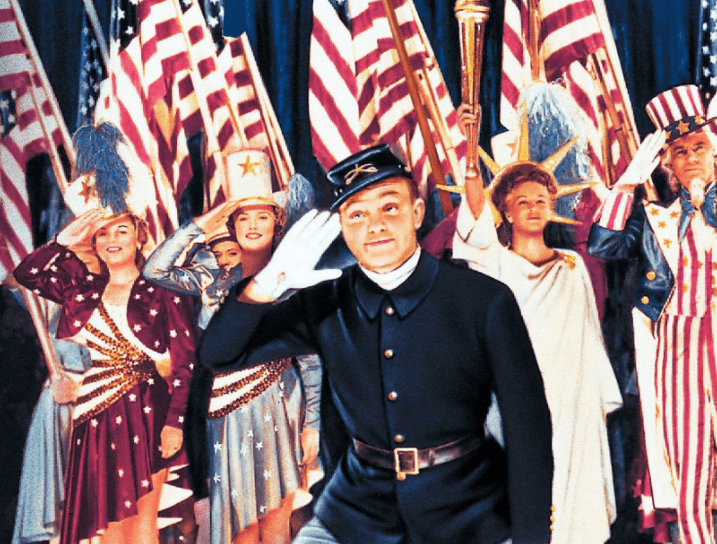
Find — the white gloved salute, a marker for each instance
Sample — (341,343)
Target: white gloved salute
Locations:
(642,164)
(293,265)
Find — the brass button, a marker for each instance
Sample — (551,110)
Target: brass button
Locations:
(645,300)
(388,353)
(552,519)
(389,310)
(399,438)
(651,275)
(392,395)
(400,476)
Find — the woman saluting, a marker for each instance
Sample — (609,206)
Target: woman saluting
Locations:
(130,408)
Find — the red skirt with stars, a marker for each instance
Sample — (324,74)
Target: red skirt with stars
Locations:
(112,458)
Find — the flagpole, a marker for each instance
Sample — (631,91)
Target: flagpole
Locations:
(414,92)
(97,29)
(432,101)
(40,71)
(277,144)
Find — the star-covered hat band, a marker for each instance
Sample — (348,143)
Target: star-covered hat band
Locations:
(679,111)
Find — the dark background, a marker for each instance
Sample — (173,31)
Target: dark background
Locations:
(657,41)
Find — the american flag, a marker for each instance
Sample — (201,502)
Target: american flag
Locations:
(356,78)
(92,72)
(707,49)
(205,102)
(136,83)
(214,14)
(574,48)
(27,128)
(333,94)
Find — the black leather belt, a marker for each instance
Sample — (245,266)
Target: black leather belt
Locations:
(411,460)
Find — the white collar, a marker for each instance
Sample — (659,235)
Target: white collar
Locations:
(394,278)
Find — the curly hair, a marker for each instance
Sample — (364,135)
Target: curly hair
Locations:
(520,173)
(508,181)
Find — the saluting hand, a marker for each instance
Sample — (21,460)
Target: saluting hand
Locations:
(81,228)
(293,264)
(643,163)
(216,218)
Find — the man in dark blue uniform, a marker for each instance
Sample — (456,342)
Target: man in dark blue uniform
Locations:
(412,348)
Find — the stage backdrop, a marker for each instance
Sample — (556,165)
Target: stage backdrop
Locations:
(659,45)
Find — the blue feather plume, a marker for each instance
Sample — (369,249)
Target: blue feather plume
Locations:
(96,147)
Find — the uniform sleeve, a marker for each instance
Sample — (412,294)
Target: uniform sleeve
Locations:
(51,271)
(241,335)
(166,268)
(527,429)
(177,312)
(609,244)
(310,371)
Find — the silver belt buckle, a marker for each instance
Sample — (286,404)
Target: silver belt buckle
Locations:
(405,460)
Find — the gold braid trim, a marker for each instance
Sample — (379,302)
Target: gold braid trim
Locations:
(249,378)
(114,397)
(126,367)
(271,373)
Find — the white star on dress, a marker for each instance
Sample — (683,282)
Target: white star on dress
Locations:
(267,474)
(95,422)
(217,479)
(136,439)
(128,504)
(120,473)
(145,483)
(177,382)
(90,277)
(34,271)
(267,417)
(262,509)
(173,333)
(244,449)
(132,397)
(259,445)
(150,381)
(217,447)
(95,296)
(147,409)
(118,420)
(250,433)
(175,300)
(137,327)
(77,323)
(153,312)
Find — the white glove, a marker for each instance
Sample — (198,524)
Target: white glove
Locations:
(293,264)
(643,163)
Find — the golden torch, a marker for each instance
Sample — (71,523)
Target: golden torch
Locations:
(472,16)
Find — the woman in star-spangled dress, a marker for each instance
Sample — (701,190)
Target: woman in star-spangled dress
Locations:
(130,411)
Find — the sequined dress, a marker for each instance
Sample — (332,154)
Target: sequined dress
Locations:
(255,417)
(118,418)
(253,431)
(129,393)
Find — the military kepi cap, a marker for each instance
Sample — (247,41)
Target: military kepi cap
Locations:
(363,169)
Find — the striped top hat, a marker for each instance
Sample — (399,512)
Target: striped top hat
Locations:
(679,111)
